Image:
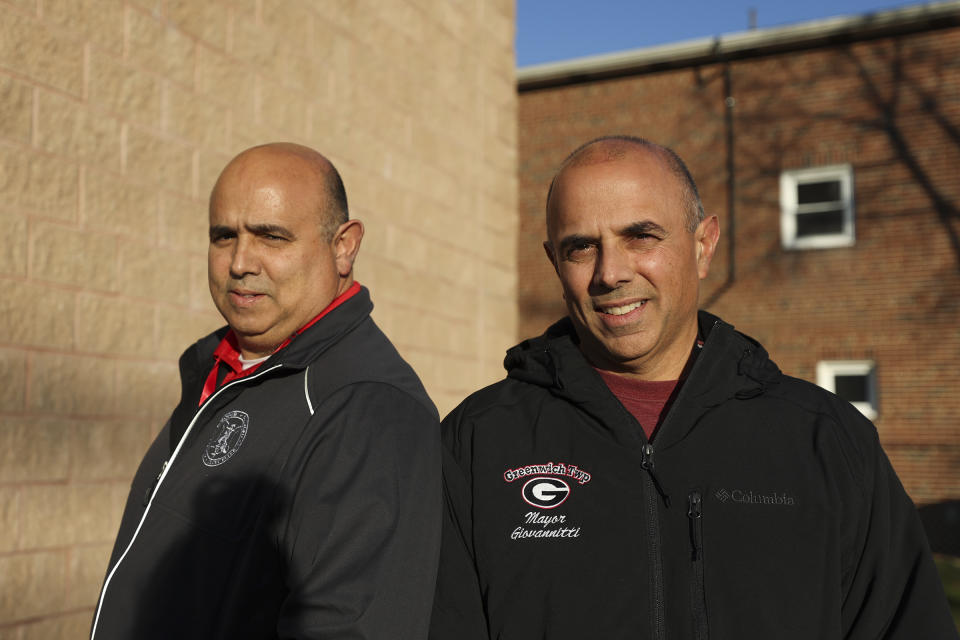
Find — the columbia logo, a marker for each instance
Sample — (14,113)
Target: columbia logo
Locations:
(741,496)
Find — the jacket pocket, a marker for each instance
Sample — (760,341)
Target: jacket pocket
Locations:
(698,601)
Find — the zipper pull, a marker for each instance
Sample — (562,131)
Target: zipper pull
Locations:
(153,485)
(695,513)
(646,463)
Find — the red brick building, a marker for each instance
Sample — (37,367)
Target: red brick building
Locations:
(831,153)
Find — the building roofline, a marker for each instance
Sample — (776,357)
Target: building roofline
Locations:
(740,45)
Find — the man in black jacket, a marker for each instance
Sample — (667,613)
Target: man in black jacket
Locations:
(295,490)
(645,471)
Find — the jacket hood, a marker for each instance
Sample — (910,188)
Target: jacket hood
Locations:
(730,365)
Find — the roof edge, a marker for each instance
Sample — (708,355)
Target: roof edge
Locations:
(743,44)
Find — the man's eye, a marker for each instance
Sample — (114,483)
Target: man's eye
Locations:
(643,238)
(579,251)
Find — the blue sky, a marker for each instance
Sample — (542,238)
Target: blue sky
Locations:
(551,30)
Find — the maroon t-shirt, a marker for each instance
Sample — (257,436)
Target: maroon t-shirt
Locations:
(646,401)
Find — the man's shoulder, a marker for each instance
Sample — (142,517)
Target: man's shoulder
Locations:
(504,397)
(365,358)
(807,396)
(814,406)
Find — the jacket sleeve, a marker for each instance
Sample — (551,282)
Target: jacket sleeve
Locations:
(458,606)
(892,588)
(362,540)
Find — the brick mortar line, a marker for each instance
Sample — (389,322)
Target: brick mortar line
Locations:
(128,177)
(453,356)
(398,304)
(440,240)
(438,277)
(35,349)
(92,418)
(69,482)
(70,288)
(45,617)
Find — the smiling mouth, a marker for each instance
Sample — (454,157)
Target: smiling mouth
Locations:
(622,310)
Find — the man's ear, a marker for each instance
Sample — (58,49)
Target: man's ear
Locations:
(346,245)
(707,236)
(548,248)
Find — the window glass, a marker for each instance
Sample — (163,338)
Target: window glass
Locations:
(819,223)
(853,380)
(808,192)
(816,207)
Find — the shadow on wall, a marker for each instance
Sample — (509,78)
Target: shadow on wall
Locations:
(880,96)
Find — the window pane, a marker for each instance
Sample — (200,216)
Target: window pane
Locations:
(827,191)
(820,223)
(852,388)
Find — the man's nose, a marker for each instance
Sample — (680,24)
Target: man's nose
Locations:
(245,260)
(612,268)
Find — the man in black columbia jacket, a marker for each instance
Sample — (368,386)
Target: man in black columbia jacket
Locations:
(295,490)
(645,471)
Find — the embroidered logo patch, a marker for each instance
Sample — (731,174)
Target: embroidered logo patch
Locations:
(546,486)
(227,438)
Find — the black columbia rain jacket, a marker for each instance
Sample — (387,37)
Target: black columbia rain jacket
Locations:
(764,509)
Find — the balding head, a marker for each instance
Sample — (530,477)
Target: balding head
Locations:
(614,148)
(281,245)
(287,161)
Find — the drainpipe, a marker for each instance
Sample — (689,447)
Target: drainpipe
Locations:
(730,235)
(730,103)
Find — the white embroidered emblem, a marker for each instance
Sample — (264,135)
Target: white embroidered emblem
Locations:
(228,437)
(547,486)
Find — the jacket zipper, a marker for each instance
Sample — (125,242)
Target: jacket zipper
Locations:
(156,487)
(646,463)
(654,549)
(698,603)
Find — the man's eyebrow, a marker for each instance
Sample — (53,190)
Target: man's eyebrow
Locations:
(265,229)
(642,227)
(219,229)
(575,239)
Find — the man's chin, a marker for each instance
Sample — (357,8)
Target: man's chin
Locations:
(614,354)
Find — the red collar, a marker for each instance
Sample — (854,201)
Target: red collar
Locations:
(228,351)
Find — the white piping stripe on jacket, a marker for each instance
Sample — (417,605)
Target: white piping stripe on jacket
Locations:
(306,391)
(163,474)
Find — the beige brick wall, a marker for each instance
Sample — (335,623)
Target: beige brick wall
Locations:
(115,119)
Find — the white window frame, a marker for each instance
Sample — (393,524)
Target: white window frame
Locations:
(828,370)
(790,209)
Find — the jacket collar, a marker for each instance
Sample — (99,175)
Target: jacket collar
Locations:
(304,348)
(301,348)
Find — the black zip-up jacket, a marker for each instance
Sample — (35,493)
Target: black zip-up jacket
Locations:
(764,508)
(302,501)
